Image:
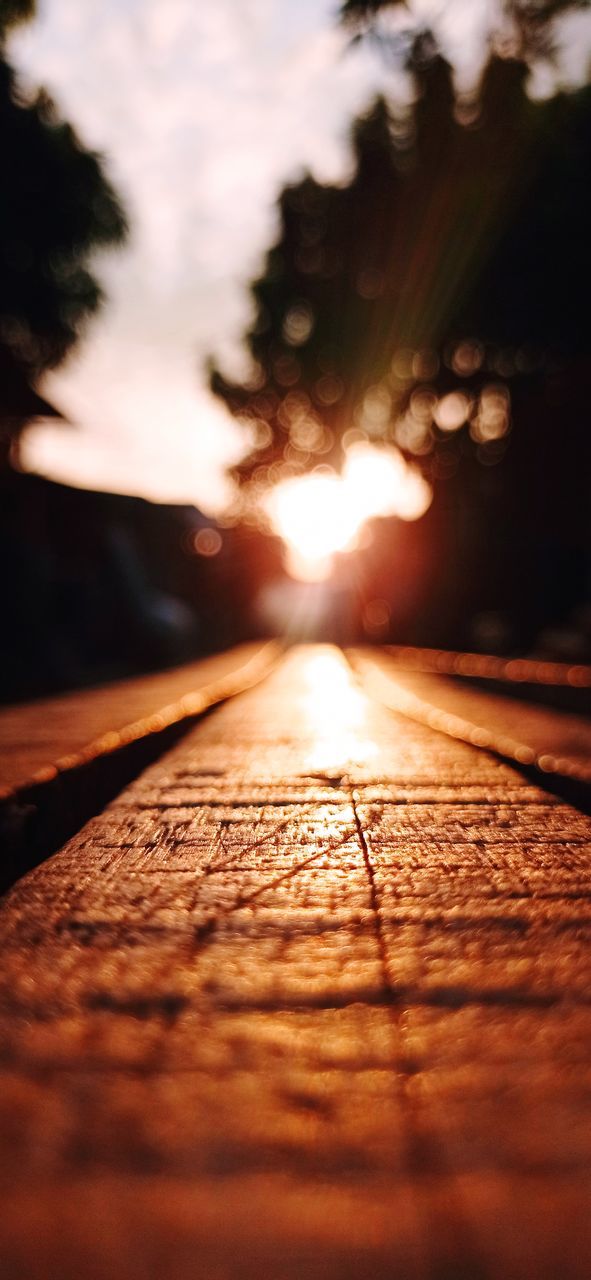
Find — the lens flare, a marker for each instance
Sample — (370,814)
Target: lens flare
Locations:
(321,514)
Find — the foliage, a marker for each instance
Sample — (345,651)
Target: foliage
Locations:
(528,26)
(57,207)
(13,12)
(456,259)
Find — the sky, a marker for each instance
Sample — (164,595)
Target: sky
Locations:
(203,111)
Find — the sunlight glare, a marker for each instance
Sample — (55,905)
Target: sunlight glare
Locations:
(312,517)
(323,513)
(332,696)
(337,713)
(379,482)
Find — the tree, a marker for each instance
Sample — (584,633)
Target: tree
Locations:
(57,208)
(13,12)
(311,346)
(440,301)
(525,27)
(372,286)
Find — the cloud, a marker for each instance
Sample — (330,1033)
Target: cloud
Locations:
(203,112)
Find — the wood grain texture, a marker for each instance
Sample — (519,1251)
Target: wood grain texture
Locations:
(553,741)
(309,999)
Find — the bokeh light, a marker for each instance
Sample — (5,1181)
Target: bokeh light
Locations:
(207,542)
(452,411)
(492,420)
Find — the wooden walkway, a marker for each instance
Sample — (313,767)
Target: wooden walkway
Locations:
(310,1000)
(50,735)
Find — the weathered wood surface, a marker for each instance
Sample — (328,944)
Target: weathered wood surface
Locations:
(37,738)
(311,999)
(555,741)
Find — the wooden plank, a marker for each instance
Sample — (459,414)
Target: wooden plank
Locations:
(38,815)
(310,998)
(40,738)
(554,742)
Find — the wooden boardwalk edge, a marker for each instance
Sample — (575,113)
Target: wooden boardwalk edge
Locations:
(309,999)
(569,779)
(39,816)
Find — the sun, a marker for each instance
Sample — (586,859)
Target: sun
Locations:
(312,518)
(323,513)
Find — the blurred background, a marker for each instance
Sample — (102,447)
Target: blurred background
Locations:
(294,329)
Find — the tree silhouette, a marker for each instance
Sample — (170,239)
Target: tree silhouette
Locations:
(321,309)
(13,12)
(525,27)
(57,208)
(440,301)
(372,287)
